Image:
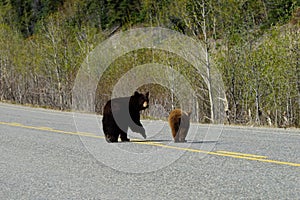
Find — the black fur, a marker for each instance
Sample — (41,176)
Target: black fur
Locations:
(121,113)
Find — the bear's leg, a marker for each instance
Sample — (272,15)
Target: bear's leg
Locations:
(110,138)
(176,138)
(123,136)
(181,140)
(176,130)
(182,134)
(111,132)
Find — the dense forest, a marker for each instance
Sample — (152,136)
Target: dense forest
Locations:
(255,45)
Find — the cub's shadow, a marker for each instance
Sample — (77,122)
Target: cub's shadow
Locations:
(172,141)
(202,142)
(150,140)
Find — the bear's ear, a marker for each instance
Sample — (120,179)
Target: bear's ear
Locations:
(147,94)
(136,93)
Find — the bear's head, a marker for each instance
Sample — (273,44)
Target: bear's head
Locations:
(141,100)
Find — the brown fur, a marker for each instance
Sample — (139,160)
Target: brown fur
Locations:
(179,122)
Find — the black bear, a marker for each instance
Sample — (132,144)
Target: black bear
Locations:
(179,122)
(121,113)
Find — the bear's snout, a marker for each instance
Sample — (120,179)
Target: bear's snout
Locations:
(145,104)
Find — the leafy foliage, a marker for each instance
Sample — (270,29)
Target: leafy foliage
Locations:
(254,44)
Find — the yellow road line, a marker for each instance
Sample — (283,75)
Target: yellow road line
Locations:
(42,128)
(216,153)
(241,154)
(232,155)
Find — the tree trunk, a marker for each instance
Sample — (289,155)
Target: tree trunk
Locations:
(207,63)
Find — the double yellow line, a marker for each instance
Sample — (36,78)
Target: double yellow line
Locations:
(158,144)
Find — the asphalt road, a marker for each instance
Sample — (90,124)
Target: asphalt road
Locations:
(58,155)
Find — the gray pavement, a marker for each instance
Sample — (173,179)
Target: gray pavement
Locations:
(62,155)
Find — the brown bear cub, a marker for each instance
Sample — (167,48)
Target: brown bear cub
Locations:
(179,122)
